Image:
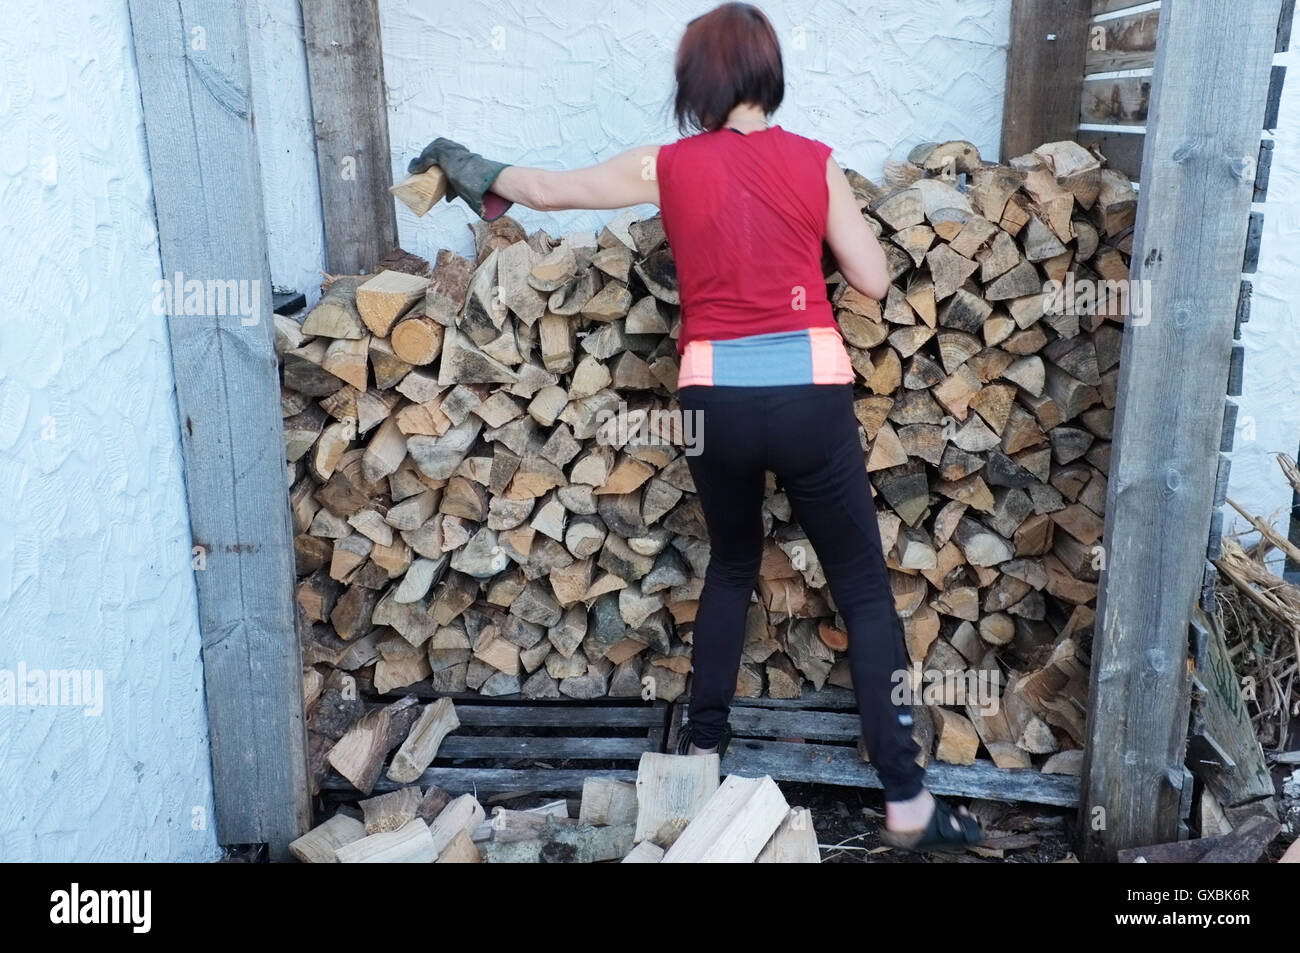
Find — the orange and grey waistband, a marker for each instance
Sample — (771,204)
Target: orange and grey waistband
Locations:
(808,356)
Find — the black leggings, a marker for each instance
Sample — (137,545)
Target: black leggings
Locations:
(806,434)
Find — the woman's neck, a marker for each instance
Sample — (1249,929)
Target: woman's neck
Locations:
(746,117)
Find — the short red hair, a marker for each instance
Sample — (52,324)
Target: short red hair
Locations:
(727,56)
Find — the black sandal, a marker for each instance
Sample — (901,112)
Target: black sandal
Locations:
(684,740)
(938,834)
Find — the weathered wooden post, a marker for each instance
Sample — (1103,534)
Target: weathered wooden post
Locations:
(194,82)
(1213,59)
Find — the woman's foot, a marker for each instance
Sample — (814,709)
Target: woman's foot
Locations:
(913,815)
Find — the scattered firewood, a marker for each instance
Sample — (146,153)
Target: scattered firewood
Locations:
(734,825)
(794,842)
(671,789)
(320,844)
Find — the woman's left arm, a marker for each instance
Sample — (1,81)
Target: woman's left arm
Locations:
(625,180)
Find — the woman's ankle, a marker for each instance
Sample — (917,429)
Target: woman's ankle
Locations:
(910,814)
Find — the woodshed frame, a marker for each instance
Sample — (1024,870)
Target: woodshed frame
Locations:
(1203,133)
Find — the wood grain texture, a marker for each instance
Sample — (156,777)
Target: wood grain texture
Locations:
(208,200)
(1189,240)
(345,71)
(1127,42)
(1044,73)
(1116,102)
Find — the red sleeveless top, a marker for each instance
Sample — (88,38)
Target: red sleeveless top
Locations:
(745,215)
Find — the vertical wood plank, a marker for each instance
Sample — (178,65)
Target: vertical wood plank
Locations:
(192,57)
(345,71)
(1197,181)
(1044,73)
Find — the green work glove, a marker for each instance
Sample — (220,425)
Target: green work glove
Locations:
(469,176)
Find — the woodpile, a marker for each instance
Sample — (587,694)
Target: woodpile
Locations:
(467,517)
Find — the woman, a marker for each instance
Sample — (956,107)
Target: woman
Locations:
(745,207)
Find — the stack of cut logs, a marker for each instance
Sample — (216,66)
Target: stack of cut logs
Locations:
(467,518)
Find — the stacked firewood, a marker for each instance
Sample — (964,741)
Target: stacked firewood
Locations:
(490,492)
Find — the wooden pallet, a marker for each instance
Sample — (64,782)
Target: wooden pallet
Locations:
(814,738)
(509,743)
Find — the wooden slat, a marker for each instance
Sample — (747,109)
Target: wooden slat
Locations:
(1122,43)
(1236,370)
(486,780)
(1277,80)
(559,715)
(207,194)
(828,697)
(1254,239)
(1189,240)
(839,764)
(1263,170)
(1123,150)
(571,748)
(345,70)
(1116,102)
(1044,73)
(752,721)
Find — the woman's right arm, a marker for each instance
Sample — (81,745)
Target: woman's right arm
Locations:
(627,179)
(856,249)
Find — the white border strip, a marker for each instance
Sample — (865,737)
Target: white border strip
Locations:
(1105,127)
(1119,74)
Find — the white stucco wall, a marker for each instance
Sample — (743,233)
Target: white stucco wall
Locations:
(572,83)
(1268,420)
(94,534)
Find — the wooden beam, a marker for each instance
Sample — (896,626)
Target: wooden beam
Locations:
(345,69)
(194,85)
(842,765)
(1045,65)
(1203,138)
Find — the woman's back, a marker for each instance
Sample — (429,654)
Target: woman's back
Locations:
(745,215)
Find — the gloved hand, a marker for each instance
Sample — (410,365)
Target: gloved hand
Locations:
(469,176)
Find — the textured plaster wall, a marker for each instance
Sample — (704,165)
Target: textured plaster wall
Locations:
(1268,421)
(94,536)
(571,83)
